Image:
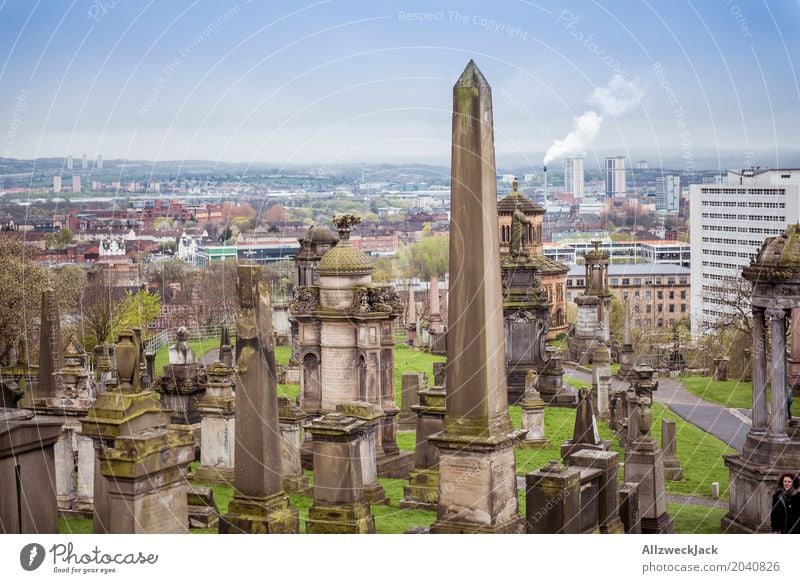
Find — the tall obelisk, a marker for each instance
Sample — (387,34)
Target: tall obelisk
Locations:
(259,504)
(477,486)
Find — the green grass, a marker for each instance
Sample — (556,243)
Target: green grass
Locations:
(731,393)
(200,348)
(689,519)
(406,359)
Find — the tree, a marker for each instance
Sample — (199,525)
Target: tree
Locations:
(217,282)
(64,237)
(277,213)
(426,258)
(106,310)
(21,285)
(731,297)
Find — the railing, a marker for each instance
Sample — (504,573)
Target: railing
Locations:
(167,337)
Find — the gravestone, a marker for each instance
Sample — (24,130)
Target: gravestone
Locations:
(584,433)
(552,500)
(422,490)
(182,383)
(367,443)
(411,384)
(533,414)
(217,410)
(672,465)
(291,419)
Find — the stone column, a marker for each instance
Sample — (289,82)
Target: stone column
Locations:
(778,417)
(601,378)
(759,362)
(290,418)
(65,469)
(85,482)
(339,506)
(367,443)
(412,383)
(672,465)
(553,500)
(259,504)
(794,351)
(435,316)
(477,488)
(411,317)
(422,490)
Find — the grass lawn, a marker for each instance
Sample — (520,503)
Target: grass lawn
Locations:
(731,393)
(200,348)
(695,519)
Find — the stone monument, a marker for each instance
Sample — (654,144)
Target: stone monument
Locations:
(533,414)
(291,419)
(627,357)
(672,465)
(594,307)
(141,463)
(772,445)
(584,434)
(601,377)
(339,505)
(477,478)
(259,504)
(183,384)
(411,384)
(217,410)
(644,463)
(422,490)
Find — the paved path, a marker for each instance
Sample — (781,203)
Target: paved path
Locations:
(729,425)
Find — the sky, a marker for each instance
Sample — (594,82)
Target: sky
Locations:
(344,82)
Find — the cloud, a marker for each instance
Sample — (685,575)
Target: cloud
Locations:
(584,130)
(617,97)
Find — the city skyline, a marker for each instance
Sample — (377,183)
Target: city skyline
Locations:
(346,82)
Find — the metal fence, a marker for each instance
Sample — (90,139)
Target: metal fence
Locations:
(167,337)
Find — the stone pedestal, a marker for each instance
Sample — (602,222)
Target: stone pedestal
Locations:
(339,505)
(644,464)
(672,465)
(84,501)
(367,446)
(422,490)
(217,411)
(27,466)
(627,360)
(601,379)
(553,500)
(182,388)
(533,415)
(551,384)
(608,488)
(412,383)
(146,479)
(290,419)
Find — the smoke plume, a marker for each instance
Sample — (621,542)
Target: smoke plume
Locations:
(615,98)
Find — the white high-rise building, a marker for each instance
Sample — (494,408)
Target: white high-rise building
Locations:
(642,165)
(56,184)
(668,193)
(616,185)
(573,176)
(69,162)
(99,162)
(76,183)
(729,223)
(84,162)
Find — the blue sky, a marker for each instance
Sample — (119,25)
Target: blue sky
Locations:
(343,82)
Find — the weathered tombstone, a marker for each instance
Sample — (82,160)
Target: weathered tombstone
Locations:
(644,463)
(259,503)
(672,465)
(217,410)
(594,307)
(27,465)
(607,492)
(533,414)
(339,505)
(477,477)
(553,500)
(411,318)
(203,511)
(627,357)
(584,434)
(422,490)
(291,418)
(439,374)
(629,508)
(367,443)
(225,347)
(721,369)
(411,384)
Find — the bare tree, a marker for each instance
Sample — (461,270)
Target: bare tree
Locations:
(731,298)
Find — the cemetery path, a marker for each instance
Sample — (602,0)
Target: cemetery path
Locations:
(728,425)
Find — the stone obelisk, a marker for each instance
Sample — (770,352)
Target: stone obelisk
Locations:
(477,488)
(259,504)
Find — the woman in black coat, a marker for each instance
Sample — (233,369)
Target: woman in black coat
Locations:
(785,506)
